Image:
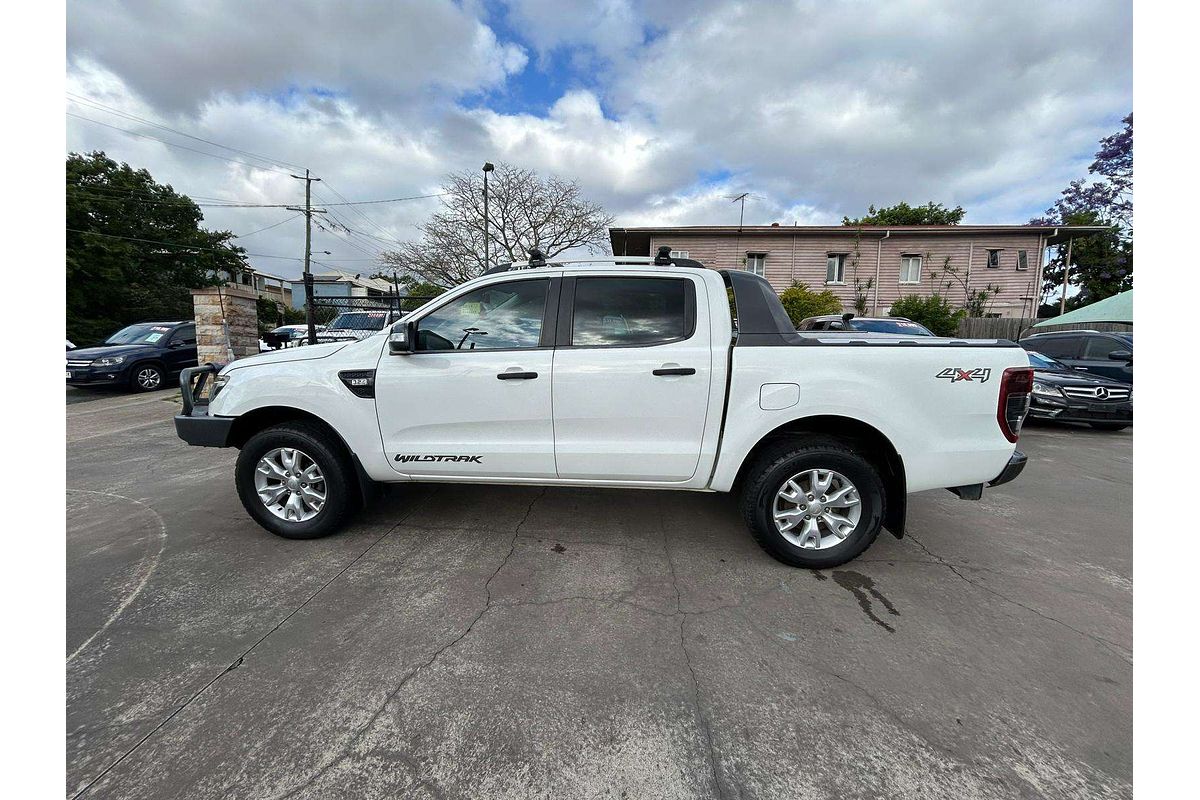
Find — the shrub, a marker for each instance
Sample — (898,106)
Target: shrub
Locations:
(799,301)
(934,312)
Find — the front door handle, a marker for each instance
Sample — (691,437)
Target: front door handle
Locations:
(517,376)
(675,371)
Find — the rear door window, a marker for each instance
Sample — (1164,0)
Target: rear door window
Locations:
(1059,346)
(632,312)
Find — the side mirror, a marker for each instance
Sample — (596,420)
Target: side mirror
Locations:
(174,344)
(403,339)
(1121,355)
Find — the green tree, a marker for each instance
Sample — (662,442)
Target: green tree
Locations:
(904,214)
(1101,264)
(800,302)
(934,312)
(134,248)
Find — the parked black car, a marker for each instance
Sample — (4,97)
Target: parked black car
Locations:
(1109,355)
(142,356)
(1069,395)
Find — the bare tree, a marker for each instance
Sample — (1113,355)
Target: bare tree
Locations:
(524,211)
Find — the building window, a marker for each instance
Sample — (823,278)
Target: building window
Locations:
(679,254)
(1022,259)
(910,269)
(757,263)
(993,261)
(835,268)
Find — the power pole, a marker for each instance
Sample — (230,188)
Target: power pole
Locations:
(309,312)
(1062,304)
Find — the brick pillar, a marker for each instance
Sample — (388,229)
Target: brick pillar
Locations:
(233,305)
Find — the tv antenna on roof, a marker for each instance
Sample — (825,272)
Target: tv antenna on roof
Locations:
(742,199)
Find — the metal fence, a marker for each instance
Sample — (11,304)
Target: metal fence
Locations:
(326,309)
(1016,327)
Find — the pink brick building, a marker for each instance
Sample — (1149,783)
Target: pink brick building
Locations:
(897,260)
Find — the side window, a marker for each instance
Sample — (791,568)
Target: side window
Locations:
(1097,348)
(496,317)
(835,268)
(631,311)
(1059,347)
(993,259)
(185,334)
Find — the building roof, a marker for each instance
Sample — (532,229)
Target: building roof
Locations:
(636,241)
(345,277)
(1118,308)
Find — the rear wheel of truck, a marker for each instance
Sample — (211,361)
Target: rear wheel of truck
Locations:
(295,481)
(813,502)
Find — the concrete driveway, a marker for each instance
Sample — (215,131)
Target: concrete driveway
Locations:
(518,642)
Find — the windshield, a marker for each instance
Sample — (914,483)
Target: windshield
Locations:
(1039,361)
(139,334)
(360,321)
(890,326)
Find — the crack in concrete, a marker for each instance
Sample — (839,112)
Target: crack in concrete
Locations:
(487,606)
(237,662)
(1110,646)
(687,657)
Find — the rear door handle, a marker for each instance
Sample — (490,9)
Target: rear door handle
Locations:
(517,376)
(675,371)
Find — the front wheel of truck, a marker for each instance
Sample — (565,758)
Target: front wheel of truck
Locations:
(813,502)
(295,481)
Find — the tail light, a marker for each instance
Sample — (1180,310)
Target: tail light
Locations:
(1015,387)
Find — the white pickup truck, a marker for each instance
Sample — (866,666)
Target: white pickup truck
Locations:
(629,373)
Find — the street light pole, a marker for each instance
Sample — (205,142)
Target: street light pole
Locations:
(487,263)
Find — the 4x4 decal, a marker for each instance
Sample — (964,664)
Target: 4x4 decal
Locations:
(954,374)
(468,459)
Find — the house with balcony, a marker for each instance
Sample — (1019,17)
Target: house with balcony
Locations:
(881,263)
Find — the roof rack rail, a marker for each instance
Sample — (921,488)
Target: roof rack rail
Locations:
(1052,333)
(537,260)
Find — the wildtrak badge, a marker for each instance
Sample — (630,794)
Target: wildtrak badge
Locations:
(403,459)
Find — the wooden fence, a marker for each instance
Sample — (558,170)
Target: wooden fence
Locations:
(1016,327)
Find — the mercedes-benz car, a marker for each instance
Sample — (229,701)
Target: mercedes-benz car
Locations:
(1063,394)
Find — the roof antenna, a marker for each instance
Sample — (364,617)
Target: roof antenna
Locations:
(663,259)
(536,258)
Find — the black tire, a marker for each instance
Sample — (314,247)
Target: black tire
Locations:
(147,378)
(1109,426)
(324,449)
(787,458)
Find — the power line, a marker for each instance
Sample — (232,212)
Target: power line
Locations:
(389,200)
(260,230)
(356,210)
(174,144)
(81,99)
(227,251)
(178,201)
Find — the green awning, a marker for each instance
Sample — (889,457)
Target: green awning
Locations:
(1118,308)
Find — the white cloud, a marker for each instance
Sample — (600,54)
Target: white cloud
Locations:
(818,109)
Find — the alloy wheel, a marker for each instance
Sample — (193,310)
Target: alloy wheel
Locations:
(290,484)
(817,509)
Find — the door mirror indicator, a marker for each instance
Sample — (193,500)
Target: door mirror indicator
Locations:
(403,339)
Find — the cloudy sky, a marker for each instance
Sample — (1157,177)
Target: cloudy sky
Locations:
(660,109)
